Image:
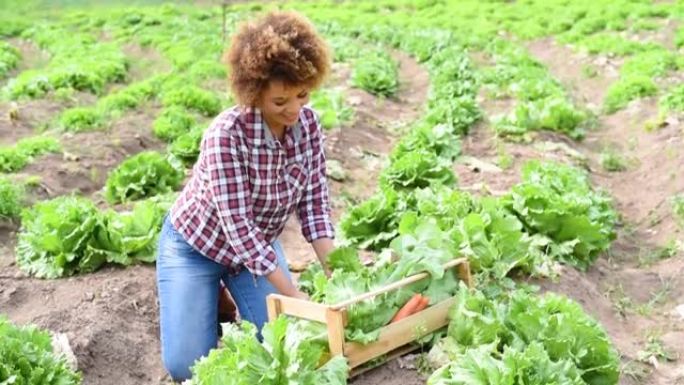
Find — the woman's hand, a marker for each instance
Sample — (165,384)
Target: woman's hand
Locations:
(226,306)
(301,295)
(284,285)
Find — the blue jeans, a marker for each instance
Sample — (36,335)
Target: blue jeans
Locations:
(188,286)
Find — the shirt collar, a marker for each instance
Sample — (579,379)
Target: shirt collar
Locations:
(260,134)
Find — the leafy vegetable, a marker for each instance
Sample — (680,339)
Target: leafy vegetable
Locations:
(626,89)
(68,235)
(14,158)
(673,100)
(438,139)
(186,147)
(79,119)
(143,175)
(376,72)
(9,58)
(528,366)
(130,97)
(78,61)
(447,206)
(331,106)
(195,98)
(26,357)
(172,123)
(557,201)
(495,243)
(374,223)
(11,198)
(289,354)
(344,48)
(130,237)
(553,114)
(549,328)
(56,238)
(417,169)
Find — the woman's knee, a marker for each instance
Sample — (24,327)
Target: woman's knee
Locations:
(178,365)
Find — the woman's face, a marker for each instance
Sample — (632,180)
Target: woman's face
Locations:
(280,104)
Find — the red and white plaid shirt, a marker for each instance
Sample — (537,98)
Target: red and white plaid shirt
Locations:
(245,185)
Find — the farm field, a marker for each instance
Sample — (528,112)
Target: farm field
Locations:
(543,140)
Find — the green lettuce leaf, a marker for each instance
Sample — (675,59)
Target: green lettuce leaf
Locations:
(56,238)
(557,201)
(289,354)
(26,357)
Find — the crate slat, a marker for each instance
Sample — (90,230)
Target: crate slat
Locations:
(396,353)
(400,333)
(300,308)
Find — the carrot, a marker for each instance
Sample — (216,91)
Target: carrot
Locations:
(424,303)
(408,308)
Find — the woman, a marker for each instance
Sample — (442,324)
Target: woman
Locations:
(259,162)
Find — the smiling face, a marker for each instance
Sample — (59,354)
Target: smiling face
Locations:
(280,104)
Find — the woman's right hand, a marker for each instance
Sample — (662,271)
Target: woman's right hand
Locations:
(301,295)
(284,285)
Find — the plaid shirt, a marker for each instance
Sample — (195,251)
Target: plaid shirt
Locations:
(245,185)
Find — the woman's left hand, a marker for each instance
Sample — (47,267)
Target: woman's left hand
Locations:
(226,306)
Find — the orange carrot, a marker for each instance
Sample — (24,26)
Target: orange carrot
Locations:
(424,303)
(408,308)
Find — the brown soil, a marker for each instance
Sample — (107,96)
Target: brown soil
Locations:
(87,157)
(145,62)
(110,317)
(31,115)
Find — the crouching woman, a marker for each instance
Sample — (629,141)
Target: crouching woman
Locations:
(259,162)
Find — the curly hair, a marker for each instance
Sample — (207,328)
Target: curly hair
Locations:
(280,46)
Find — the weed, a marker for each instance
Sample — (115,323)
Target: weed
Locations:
(613,161)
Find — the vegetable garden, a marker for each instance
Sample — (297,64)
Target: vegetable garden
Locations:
(540,140)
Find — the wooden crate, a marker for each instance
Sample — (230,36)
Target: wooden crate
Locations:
(395,339)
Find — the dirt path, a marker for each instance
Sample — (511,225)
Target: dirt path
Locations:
(111,317)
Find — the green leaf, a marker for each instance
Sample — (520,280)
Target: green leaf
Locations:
(345,259)
(558,201)
(289,354)
(27,357)
(55,238)
(143,175)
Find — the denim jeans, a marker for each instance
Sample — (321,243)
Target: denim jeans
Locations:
(188,286)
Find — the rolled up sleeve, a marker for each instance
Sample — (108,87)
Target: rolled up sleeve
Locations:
(314,208)
(230,192)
